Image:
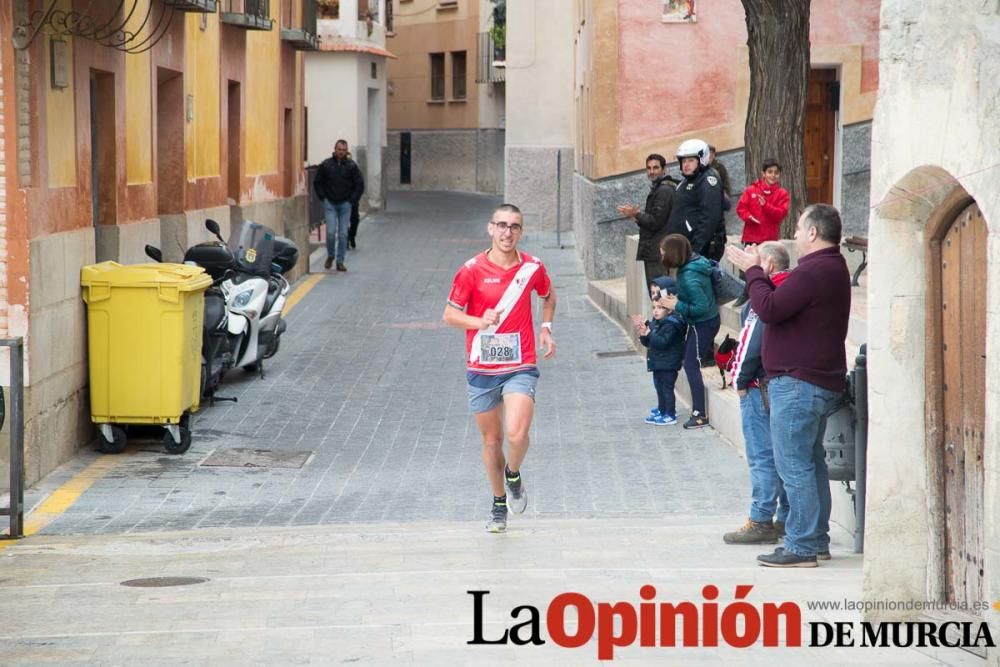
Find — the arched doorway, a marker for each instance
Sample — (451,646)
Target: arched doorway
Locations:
(956,390)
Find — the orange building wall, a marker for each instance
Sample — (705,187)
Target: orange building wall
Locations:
(678,77)
(652,83)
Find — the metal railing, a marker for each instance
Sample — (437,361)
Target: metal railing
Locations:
(301,34)
(204,6)
(486,55)
(15,508)
(250,14)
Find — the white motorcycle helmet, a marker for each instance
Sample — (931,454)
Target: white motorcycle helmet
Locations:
(694,148)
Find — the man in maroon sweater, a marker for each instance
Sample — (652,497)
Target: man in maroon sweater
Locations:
(803,354)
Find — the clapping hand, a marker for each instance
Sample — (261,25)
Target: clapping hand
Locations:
(668,301)
(628,210)
(743,259)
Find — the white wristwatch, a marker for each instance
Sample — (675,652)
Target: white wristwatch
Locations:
(547,325)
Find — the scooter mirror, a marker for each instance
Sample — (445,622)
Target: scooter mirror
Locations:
(213,226)
(154,253)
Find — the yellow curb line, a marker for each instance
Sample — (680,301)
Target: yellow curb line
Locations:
(301,291)
(63,498)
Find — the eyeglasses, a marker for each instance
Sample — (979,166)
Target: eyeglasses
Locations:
(514,228)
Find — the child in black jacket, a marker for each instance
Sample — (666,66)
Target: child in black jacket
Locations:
(664,337)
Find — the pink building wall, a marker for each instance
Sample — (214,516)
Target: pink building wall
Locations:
(675,78)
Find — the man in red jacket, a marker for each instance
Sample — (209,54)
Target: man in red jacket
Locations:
(806,364)
(763,205)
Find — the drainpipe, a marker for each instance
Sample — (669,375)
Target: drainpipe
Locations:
(860,446)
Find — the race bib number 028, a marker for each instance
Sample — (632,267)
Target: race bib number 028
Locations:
(496,349)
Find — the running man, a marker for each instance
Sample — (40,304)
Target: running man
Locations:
(491,299)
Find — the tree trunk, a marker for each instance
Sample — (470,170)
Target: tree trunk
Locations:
(778,37)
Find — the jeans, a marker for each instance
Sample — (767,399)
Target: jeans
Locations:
(700,339)
(355,220)
(798,422)
(338,221)
(767,495)
(664,382)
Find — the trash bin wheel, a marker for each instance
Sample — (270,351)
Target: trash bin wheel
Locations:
(177,447)
(117,443)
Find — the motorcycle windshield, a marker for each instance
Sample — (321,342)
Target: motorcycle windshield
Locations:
(253,248)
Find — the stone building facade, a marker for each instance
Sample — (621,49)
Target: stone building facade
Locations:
(933,521)
(446,98)
(104,151)
(643,85)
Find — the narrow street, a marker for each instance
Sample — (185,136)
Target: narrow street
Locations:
(355,536)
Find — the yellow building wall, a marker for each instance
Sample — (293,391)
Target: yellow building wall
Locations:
(138,107)
(201,136)
(60,116)
(262,74)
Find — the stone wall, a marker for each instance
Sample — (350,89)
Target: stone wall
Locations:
(936,133)
(57,412)
(462,160)
(600,231)
(540,181)
(855,178)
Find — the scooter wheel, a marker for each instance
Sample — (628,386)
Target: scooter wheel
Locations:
(117,443)
(177,447)
(273,347)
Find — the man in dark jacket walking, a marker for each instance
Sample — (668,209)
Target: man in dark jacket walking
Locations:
(339,184)
(652,220)
(806,366)
(697,205)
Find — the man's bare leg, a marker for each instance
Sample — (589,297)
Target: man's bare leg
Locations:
(519,409)
(491,429)
(518,412)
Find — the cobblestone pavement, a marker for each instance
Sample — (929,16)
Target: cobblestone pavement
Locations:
(371,385)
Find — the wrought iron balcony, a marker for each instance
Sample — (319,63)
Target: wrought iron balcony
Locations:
(249,14)
(202,6)
(300,34)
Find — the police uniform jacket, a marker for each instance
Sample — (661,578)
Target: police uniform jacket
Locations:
(697,209)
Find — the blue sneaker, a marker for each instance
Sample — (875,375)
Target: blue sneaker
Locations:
(657,420)
(667,420)
(655,412)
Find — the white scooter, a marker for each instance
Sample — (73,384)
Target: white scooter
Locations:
(256,291)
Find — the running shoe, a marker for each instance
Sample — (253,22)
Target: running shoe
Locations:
(516,495)
(498,518)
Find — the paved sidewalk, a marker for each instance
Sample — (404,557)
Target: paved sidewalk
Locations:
(371,386)
(364,555)
(389,593)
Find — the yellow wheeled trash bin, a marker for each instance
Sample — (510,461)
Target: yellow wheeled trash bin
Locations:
(144,323)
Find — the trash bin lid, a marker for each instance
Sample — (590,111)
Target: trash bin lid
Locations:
(182,277)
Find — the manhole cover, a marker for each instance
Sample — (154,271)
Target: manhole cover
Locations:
(163,582)
(614,353)
(256,458)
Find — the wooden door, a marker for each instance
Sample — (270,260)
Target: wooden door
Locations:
(820,134)
(963,419)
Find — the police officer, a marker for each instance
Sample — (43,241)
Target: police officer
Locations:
(697,205)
